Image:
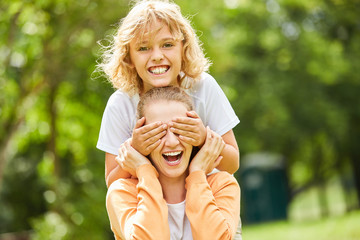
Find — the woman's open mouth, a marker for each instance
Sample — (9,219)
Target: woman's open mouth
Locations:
(173,158)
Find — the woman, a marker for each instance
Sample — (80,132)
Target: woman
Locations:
(172,196)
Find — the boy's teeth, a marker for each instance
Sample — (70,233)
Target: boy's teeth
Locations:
(158,70)
(172,153)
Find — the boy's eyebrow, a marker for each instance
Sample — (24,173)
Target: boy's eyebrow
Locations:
(162,40)
(142,42)
(168,39)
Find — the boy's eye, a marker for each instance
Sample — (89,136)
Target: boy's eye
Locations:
(168,45)
(141,49)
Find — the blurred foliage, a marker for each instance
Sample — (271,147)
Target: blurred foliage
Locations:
(289,68)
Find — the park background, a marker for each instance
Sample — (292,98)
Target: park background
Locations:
(290,69)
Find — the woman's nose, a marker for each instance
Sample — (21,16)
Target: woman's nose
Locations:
(171,140)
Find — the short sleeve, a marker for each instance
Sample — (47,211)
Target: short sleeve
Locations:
(117,122)
(213,106)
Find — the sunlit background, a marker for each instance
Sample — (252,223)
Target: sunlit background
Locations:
(289,67)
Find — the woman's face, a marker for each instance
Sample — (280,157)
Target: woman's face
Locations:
(171,157)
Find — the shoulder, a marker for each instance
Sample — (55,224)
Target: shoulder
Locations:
(120,101)
(123,185)
(120,97)
(205,80)
(221,179)
(204,86)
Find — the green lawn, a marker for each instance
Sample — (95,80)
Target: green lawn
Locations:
(346,227)
(305,222)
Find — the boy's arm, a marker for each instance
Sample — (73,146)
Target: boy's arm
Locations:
(113,170)
(231,157)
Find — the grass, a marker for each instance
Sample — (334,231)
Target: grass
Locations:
(346,227)
(305,222)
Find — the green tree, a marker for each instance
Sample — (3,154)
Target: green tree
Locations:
(287,66)
(50,117)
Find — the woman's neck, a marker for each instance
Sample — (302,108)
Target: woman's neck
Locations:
(173,188)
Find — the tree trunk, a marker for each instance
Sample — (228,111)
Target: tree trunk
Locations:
(324,208)
(355,153)
(355,160)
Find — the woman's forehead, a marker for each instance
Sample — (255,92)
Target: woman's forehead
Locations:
(164,111)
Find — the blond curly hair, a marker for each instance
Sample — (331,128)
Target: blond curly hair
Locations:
(116,63)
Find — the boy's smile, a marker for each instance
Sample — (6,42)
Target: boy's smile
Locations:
(157,58)
(159,69)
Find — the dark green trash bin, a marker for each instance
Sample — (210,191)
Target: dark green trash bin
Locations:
(264,188)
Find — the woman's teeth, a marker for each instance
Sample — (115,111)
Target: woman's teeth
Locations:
(172,153)
(172,156)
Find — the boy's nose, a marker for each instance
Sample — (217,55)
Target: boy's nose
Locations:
(171,140)
(157,55)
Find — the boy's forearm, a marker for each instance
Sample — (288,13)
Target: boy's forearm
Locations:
(230,162)
(115,174)
(113,170)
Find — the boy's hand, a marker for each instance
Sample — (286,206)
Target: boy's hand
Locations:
(190,129)
(146,138)
(129,159)
(208,156)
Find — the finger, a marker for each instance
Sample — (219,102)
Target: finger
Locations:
(217,142)
(217,161)
(186,127)
(161,144)
(152,146)
(192,114)
(218,148)
(118,159)
(127,143)
(190,134)
(148,131)
(140,122)
(148,127)
(151,140)
(186,120)
(157,133)
(188,140)
(208,132)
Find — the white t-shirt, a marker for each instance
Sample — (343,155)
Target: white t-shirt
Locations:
(179,224)
(119,117)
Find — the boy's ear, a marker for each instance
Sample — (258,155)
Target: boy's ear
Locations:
(129,62)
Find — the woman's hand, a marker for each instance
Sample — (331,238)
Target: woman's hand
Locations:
(129,159)
(190,129)
(146,138)
(208,156)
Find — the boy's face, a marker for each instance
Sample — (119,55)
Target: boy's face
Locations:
(171,157)
(157,58)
